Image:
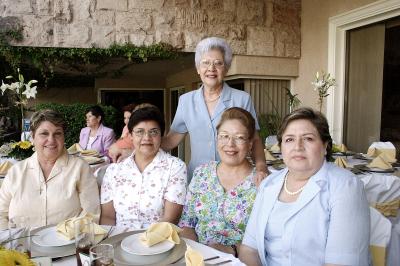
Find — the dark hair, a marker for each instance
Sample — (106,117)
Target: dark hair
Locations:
(245,118)
(316,118)
(151,113)
(129,108)
(49,115)
(96,111)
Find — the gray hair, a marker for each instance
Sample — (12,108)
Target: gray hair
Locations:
(214,43)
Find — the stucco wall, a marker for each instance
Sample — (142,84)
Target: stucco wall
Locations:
(314,43)
(252,27)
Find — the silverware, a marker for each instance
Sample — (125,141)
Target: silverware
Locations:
(212,258)
(108,234)
(222,262)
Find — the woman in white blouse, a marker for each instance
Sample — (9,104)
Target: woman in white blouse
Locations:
(50,186)
(150,185)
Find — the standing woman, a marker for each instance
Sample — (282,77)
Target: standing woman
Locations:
(199,111)
(312,212)
(96,136)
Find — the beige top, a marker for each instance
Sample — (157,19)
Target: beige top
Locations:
(70,190)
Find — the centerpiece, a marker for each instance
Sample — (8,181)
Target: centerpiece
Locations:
(322,83)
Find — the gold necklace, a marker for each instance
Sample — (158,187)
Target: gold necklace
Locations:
(213,100)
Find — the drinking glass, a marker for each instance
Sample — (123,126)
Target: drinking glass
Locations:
(84,238)
(20,234)
(102,255)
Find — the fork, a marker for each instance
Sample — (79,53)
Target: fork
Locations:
(108,233)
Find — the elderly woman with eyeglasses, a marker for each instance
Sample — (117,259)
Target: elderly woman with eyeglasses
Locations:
(199,111)
(150,185)
(221,194)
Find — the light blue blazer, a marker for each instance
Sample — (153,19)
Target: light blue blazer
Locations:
(105,136)
(329,223)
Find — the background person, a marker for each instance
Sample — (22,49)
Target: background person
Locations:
(150,185)
(312,212)
(96,136)
(50,186)
(221,194)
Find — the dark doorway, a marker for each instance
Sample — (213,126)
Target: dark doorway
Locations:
(120,98)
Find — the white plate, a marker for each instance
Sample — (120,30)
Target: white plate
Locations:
(48,237)
(133,245)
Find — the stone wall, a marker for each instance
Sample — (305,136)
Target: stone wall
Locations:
(252,27)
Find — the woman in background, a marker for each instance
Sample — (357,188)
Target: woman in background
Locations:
(96,136)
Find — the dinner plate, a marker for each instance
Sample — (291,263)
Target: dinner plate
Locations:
(123,258)
(372,169)
(133,245)
(49,237)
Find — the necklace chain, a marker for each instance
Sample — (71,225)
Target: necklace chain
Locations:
(290,192)
(212,100)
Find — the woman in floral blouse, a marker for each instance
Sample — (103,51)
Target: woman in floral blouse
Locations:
(150,185)
(221,194)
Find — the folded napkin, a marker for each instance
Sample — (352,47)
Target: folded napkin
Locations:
(92,159)
(388,157)
(89,153)
(193,257)
(373,152)
(388,208)
(275,148)
(341,162)
(75,148)
(379,162)
(269,156)
(342,148)
(4,167)
(383,147)
(159,232)
(66,228)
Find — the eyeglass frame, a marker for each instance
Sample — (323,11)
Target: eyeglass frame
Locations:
(140,133)
(212,63)
(234,139)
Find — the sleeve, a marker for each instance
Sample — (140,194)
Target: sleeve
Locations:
(349,225)
(249,238)
(176,187)
(189,218)
(178,124)
(107,186)
(5,199)
(249,106)
(109,139)
(88,191)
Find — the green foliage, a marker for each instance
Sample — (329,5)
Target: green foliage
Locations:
(46,59)
(74,115)
(8,34)
(269,124)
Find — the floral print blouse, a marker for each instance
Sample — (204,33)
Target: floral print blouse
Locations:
(138,198)
(217,216)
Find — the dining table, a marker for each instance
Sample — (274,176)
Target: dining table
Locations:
(208,253)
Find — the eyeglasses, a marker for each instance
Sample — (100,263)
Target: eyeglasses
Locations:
(151,133)
(237,139)
(216,63)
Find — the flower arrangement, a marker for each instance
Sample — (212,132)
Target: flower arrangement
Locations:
(17,150)
(322,83)
(20,90)
(13,257)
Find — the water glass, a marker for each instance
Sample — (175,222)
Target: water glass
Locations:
(84,238)
(102,255)
(20,234)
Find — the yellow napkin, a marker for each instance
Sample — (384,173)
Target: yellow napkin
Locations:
(159,232)
(4,167)
(91,159)
(275,148)
(342,148)
(75,148)
(89,153)
(66,228)
(269,156)
(193,257)
(389,155)
(379,162)
(341,162)
(373,152)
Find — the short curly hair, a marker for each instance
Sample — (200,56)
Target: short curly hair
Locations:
(214,43)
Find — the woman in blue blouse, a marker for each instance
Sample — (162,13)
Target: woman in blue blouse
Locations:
(312,212)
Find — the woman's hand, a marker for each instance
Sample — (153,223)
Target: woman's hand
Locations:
(260,176)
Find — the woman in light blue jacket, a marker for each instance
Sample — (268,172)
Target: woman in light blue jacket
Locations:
(312,212)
